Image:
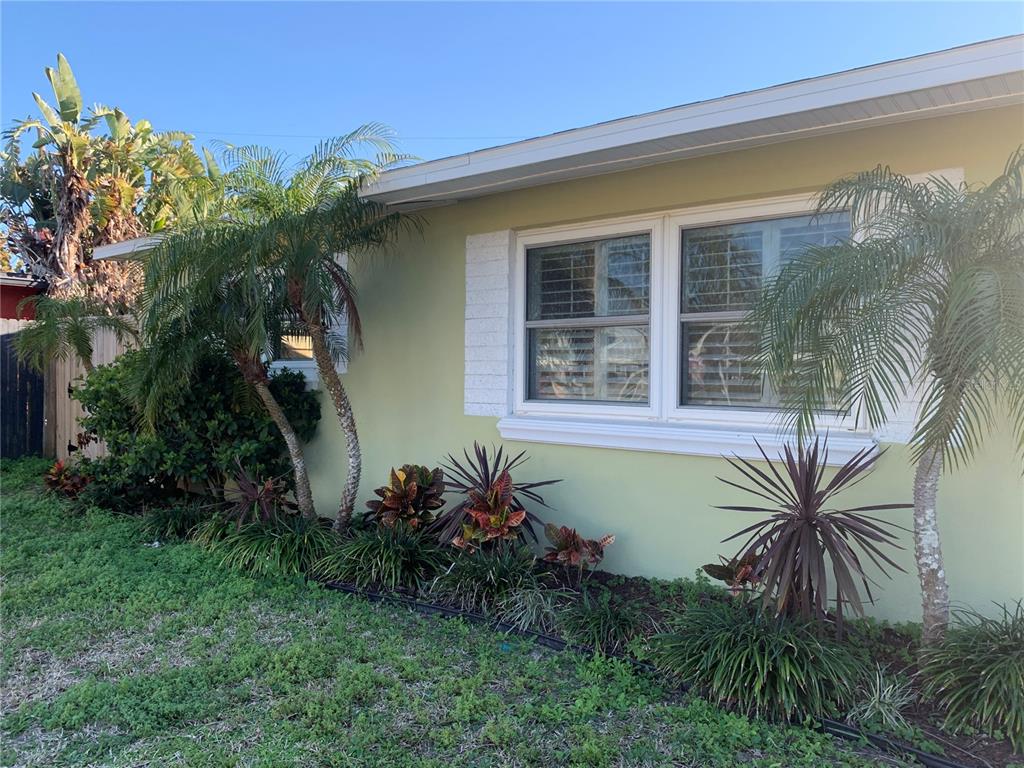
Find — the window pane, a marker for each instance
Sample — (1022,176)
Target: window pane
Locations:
(715,367)
(797,233)
(722,267)
(298,347)
(598,278)
(607,364)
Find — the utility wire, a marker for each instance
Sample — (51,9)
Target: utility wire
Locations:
(402,137)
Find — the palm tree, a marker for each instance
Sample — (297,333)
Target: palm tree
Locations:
(303,219)
(928,292)
(65,327)
(207,286)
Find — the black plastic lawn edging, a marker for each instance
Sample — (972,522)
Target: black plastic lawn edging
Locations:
(826,725)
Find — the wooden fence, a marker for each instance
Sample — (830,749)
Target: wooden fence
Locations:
(38,410)
(65,376)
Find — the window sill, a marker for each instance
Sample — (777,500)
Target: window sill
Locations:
(690,439)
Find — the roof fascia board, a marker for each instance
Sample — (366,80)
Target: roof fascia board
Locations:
(933,70)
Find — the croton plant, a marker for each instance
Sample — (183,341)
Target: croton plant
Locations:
(570,549)
(68,479)
(493,515)
(411,496)
(738,573)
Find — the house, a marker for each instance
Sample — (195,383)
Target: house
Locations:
(542,308)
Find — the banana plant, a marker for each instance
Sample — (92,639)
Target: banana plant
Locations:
(64,132)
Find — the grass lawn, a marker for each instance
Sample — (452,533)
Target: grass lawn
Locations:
(117,652)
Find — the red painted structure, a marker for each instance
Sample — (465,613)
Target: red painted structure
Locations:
(14,288)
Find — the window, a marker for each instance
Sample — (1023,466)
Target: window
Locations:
(722,271)
(588,320)
(627,333)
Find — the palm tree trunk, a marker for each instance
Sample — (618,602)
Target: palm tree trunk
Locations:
(346,418)
(928,549)
(303,493)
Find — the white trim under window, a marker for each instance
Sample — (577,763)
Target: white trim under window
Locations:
(660,424)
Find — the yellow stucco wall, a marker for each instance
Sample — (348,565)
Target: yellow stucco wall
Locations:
(407,386)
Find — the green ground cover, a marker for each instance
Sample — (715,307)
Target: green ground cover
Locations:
(118,652)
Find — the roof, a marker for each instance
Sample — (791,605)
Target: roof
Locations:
(968,78)
(21,280)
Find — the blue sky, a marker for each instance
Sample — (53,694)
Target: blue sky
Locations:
(448,77)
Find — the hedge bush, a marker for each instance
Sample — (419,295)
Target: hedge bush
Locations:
(202,430)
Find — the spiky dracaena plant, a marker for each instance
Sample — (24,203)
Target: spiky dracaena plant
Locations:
(475,478)
(66,327)
(928,291)
(802,534)
(304,217)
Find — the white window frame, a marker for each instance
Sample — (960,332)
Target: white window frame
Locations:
(650,225)
(710,216)
(308,368)
(663,425)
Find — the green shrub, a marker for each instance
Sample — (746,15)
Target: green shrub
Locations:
(976,675)
(392,556)
(490,580)
(202,430)
(601,620)
(287,544)
(748,660)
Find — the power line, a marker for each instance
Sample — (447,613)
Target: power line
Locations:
(321,136)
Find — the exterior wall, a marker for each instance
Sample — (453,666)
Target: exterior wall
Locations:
(11,296)
(408,385)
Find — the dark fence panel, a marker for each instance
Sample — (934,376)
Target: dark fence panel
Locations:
(21,405)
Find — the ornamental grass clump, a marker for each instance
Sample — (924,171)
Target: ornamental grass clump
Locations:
(976,675)
(396,556)
(602,621)
(881,702)
(750,661)
(261,532)
(483,580)
(287,544)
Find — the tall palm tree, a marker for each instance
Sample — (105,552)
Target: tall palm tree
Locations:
(65,327)
(927,293)
(208,286)
(304,217)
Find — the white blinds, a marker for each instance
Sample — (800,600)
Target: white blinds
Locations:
(588,307)
(723,270)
